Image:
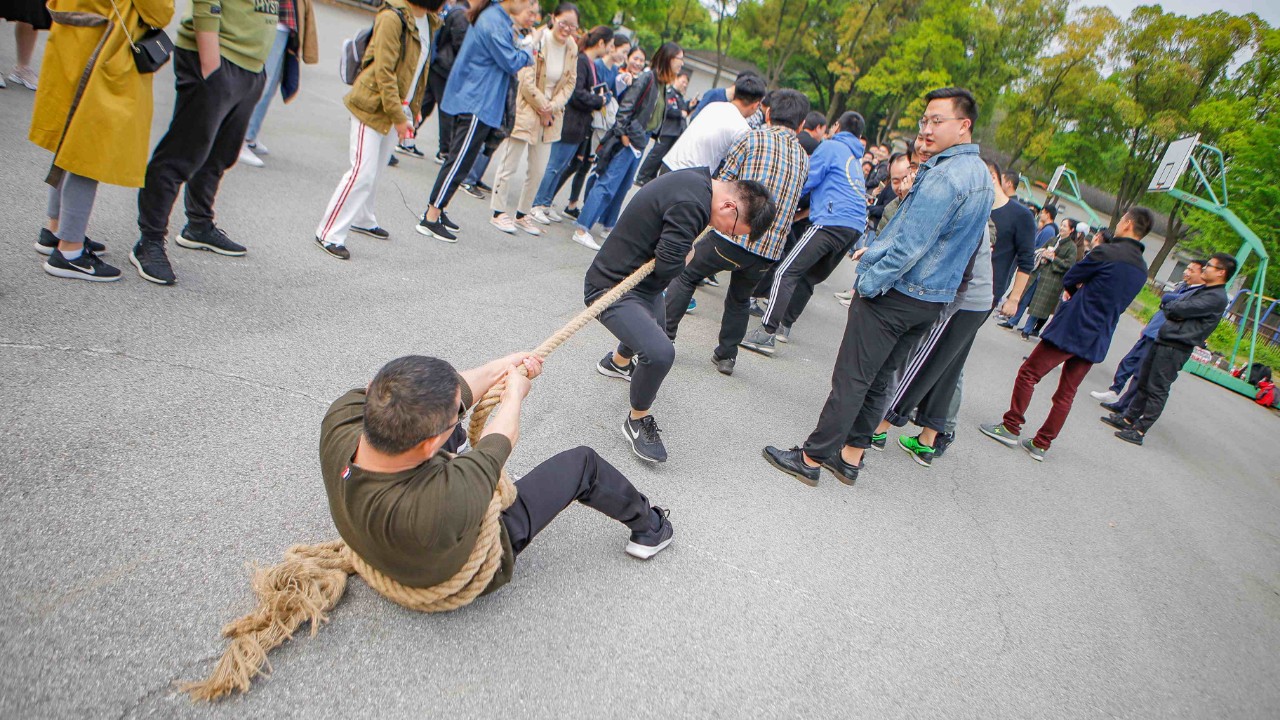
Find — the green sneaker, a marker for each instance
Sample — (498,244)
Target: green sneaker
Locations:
(879,439)
(1033,450)
(1000,434)
(921,453)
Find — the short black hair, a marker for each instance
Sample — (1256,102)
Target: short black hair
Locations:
(787,108)
(899,156)
(814,120)
(749,88)
(1106,234)
(748,73)
(961,99)
(1142,220)
(598,34)
(1227,261)
(758,202)
(1051,210)
(852,122)
(410,399)
(428,5)
(1012,177)
(620,39)
(1197,261)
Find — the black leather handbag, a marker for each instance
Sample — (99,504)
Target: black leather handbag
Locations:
(151,51)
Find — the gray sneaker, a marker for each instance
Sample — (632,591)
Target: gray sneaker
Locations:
(1033,450)
(760,341)
(784,334)
(1000,434)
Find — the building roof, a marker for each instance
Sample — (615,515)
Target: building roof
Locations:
(707,58)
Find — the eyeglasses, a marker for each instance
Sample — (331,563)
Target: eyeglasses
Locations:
(566,26)
(1211,266)
(936,120)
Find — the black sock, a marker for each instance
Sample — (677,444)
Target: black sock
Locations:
(496,213)
(519,215)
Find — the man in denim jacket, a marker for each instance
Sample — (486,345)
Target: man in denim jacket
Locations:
(905,278)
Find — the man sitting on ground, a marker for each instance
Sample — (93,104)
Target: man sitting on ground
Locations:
(414,512)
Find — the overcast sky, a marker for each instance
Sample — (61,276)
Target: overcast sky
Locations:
(1268,10)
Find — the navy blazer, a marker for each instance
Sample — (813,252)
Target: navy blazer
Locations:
(1101,287)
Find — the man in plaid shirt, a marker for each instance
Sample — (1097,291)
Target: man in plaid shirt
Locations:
(771,155)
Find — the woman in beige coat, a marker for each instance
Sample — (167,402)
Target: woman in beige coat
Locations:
(543,92)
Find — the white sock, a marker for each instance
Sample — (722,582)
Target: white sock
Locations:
(72,254)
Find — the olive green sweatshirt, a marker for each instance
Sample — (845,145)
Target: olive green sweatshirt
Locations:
(246,29)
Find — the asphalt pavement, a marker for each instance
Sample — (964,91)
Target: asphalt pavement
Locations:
(156,441)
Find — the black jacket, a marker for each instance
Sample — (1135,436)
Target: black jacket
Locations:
(674,121)
(582,103)
(635,110)
(449,41)
(1191,318)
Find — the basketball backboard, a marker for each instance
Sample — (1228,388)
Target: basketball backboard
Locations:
(1057,178)
(1174,163)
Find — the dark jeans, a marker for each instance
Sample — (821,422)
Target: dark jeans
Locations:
(813,258)
(713,255)
(430,101)
(210,117)
(933,373)
(1155,379)
(578,169)
(466,142)
(1131,362)
(1045,357)
(1025,301)
(653,161)
(639,321)
(578,474)
(877,337)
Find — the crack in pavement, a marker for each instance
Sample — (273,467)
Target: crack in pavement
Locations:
(171,684)
(167,363)
(1007,640)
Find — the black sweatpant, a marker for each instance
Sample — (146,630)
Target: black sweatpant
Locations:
(933,372)
(578,474)
(653,161)
(1155,378)
(713,255)
(877,338)
(210,117)
(639,322)
(811,260)
(466,141)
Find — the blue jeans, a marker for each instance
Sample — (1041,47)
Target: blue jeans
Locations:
(478,169)
(561,155)
(604,202)
(1130,364)
(1025,301)
(274,69)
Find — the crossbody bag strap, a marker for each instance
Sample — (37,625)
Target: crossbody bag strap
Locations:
(77,19)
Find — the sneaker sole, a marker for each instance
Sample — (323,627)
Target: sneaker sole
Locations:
(509,231)
(362,231)
(73,275)
(762,349)
(593,246)
(644,552)
(879,447)
(46,251)
(190,244)
(327,252)
(138,266)
(1105,420)
(1002,440)
(811,482)
(636,450)
(424,231)
(416,156)
(612,373)
(534,232)
(1037,458)
(782,339)
(914,456)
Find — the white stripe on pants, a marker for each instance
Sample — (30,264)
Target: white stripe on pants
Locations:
(508,157)
(352,202)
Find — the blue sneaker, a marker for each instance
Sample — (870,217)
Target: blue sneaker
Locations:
(693,304)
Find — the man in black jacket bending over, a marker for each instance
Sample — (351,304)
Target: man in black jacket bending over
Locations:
(1189,320)
(661,222)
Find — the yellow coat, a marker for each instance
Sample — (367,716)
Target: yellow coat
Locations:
(102,132)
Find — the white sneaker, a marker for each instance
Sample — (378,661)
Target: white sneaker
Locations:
(528,226)
(258,148)
(1106,396)
(848,295)
(24,76)
(248,158)
(553,216)
(847,303)
(583,238)
(540,216)
(504,223)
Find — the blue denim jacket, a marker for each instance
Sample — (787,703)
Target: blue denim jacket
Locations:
(484,67)
(923,251)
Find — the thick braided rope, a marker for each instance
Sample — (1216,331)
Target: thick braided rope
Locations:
(313,578)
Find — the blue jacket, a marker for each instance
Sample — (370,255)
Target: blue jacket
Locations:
(608,76)
(1101,287)
(835,184)
(480,75)
(925,248)
(1152,330)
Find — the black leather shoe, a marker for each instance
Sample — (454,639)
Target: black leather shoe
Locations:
(724,365)
(1130,435)
(791,462)
(1112,407)
(844,472)
(1116,421)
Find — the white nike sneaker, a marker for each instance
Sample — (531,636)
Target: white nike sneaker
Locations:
(540,216)
(583,238)
(1107,396)
(248,158)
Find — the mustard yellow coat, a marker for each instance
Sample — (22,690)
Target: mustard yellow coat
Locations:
(102,131)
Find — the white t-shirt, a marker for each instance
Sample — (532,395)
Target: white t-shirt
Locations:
(708,138)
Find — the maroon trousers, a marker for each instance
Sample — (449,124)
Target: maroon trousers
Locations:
(1045,357)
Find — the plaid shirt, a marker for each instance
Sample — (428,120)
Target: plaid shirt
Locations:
(289,15)
(772,156)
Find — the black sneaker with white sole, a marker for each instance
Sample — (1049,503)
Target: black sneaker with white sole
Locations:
(339,251)
(472,190)
(646,544)
(88,266)
(411,151)
(149,257)
(373,232)
(447,222)
(645,438)
(213,240)
(47,242)
(436,230)
(609,368)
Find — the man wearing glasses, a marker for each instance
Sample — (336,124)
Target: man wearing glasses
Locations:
(1189,320)
(905,278)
